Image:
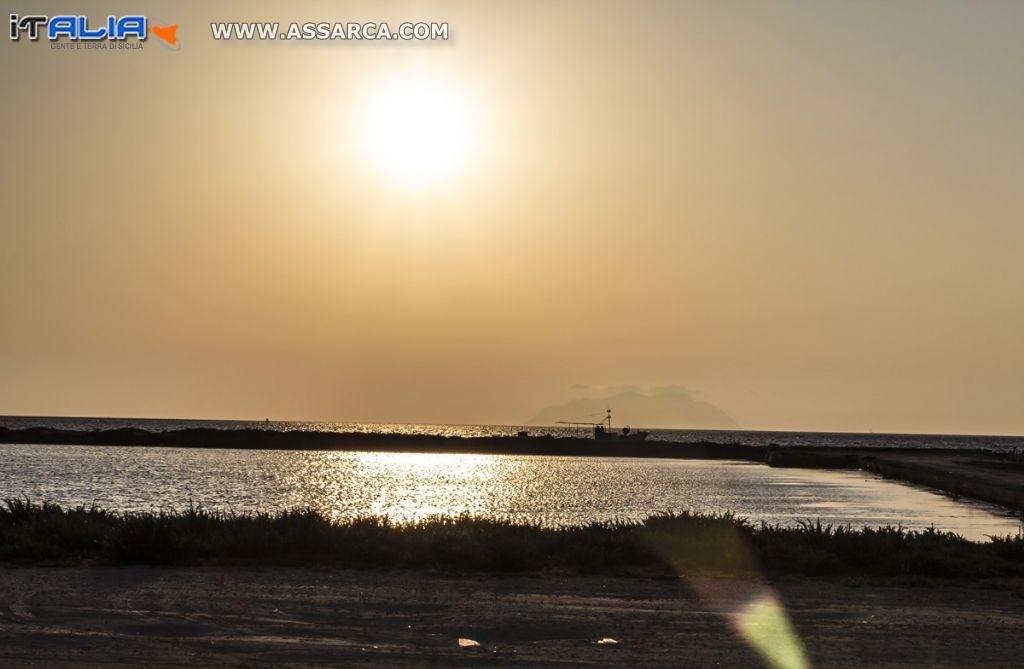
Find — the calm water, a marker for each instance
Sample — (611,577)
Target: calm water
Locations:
(404,486)
(749,437)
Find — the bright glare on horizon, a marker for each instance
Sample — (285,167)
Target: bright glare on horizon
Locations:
(418,131)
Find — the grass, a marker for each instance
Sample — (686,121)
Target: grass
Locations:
(665,544)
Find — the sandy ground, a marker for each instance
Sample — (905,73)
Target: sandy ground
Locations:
(138,617)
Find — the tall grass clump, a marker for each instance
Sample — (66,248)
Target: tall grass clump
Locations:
(663,544)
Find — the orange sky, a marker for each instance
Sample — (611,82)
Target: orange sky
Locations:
(807,214)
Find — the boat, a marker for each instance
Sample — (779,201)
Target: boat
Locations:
(603,429)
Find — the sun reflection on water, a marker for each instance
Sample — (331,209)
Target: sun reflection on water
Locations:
(405,486)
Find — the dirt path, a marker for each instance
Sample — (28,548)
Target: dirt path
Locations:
(136,617)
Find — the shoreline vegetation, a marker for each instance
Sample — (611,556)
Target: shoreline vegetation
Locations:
(663,545)
(993,477)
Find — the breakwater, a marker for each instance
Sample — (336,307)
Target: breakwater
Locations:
(375,441)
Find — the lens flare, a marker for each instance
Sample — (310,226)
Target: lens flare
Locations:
(763,622)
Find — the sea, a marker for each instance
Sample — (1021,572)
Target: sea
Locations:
(549,490)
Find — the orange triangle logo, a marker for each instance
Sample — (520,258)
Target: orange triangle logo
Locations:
(166,34)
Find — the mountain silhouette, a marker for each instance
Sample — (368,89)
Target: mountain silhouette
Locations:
(667,408)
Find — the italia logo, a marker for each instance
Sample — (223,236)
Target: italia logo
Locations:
(78,27)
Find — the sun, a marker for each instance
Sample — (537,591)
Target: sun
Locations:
(418,131)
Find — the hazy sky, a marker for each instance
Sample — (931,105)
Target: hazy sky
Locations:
(809,213)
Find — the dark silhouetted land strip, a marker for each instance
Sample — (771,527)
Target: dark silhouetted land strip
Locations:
(298,440)
(997,478)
